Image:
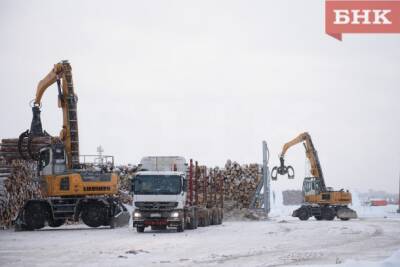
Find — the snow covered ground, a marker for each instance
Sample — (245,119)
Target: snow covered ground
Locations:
(370,241)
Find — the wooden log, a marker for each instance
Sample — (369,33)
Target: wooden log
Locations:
(17,188)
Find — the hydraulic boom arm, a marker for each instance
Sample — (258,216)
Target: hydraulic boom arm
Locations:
(311,155)
(67,101)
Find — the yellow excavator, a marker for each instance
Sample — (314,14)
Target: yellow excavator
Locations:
(320,201)
(70,189)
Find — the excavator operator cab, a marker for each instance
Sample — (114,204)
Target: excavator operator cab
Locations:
(311,186)
(52,160)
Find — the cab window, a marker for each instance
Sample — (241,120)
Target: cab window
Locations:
(44,158)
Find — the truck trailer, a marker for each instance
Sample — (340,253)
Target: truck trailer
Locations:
(169,192)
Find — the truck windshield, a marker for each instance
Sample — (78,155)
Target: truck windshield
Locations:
(157,185)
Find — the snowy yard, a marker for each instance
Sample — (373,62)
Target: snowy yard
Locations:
(280,241)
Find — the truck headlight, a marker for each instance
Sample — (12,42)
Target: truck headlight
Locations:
(137,214)
(175,214)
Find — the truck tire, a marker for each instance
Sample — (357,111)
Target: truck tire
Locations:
(34,216)
(93,214)
(192,224)
(193,221)
(214,217)
(208,218)
(140,229)
(181,227)
(220,217)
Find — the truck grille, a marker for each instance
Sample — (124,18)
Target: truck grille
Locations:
(156,205)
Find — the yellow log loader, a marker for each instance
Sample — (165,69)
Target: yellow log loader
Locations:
(71,189)
(320,201)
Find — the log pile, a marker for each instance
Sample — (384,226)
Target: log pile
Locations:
(208,187)
(126,174)
(17,185)
(240,182)
(292,197)
(9,147)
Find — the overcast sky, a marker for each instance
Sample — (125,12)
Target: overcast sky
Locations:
(210,80)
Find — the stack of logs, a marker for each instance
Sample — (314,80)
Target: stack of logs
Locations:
(208,187)
(126,174)
(17,175)
(17,184)
(240,182)
(9,147)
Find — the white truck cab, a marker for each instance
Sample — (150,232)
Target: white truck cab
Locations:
(160,191)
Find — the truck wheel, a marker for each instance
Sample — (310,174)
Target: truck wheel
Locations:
(214,217)
(207,219)
(196,221)
(303,214)
(181,227)
(192,224)
(34,216)
(345,219)
(328,213)
(93,215)
(140,229)
(220,216)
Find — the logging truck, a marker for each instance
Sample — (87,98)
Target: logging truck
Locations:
(168,192)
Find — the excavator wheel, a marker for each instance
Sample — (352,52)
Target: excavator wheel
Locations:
(303,214)
(328,213)
(94,214)
(34,216)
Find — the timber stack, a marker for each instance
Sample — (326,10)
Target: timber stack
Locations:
(10,149)
(17,184)
(208,185)
(126,174)
(240,182)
